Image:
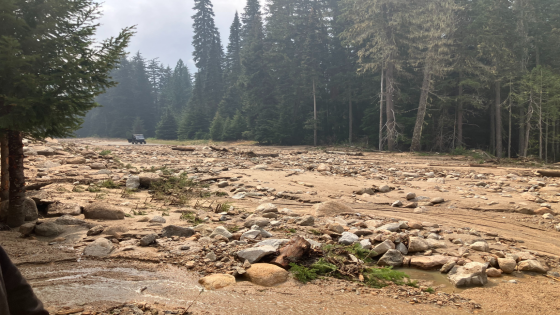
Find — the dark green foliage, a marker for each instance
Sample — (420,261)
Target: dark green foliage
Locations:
(217,128)
(382,277)
(167,127)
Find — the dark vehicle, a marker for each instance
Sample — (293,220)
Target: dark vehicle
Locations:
(137,139)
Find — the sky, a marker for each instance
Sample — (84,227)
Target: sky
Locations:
(163,27)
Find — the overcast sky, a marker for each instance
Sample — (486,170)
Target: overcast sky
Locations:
(164,27)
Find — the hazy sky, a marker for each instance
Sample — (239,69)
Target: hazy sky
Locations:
(164,27)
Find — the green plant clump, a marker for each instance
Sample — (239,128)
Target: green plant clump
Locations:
(382,277)
(105,152)
(110,184)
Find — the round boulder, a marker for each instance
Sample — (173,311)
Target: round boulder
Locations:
(217,281)
(266,275)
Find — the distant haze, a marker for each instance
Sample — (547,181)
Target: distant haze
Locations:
(164,27)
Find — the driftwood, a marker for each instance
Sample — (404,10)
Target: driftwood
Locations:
(183,148)
(38,186)
(253,154)
(483,165)
(549,173)
(214,178)
(345,153)
(292,252)
(219,149)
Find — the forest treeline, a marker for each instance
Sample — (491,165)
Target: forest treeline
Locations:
(397,75)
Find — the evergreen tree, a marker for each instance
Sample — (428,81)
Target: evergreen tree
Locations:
(181,87)
(167,127)
(138,126)
(205,33)
(217,128)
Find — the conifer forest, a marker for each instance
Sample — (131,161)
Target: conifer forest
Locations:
(422,75)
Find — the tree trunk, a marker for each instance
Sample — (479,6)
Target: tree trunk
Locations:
(16,216)
(498,121)
(350,117)
(527,128)
(460,114)
(314,116)
(381,112)
(540,121)
(509,123)
(521,132)
(389,91)
(417,135)
(492,128)
(546,142)
(4,160)
(292,252)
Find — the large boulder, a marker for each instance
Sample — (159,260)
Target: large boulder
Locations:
(101,247)
(254,254)
(133,182)
(382,248)
(48,229)
(174,230)
(331,209)
(507,264)
(29,209)
(267,207)
(216,281)
(392,257)
(417,244)
(103,211)
(27,228)
(468,275)
(531,265)
(58,209)
(348,238)
(266,275)
(430,262)
(69,220)
(480,246)
(147,179)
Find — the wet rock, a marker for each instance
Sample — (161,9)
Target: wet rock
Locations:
(254,254)
(27,228)
(392,258)
(96,230)
(216,281)
(531,265)
(267,207)
(220,230)
(493,272)
(148,240)
(416,244)
(448,266)
(382,248)
(133,182)
(60,209)
(307,220)
(507,264)
(174,230)
(103,211)
(348,238)
(331,209)
(267,275)
(471,274)
(430,262)
(157,219)
(101,247)
(48,229)
(69,220)
(480,246)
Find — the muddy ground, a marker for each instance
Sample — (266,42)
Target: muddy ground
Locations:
(508,205)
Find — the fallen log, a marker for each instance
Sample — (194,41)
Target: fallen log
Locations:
(218,149)
(292,252)
(214,178)
(190,149)
(345,153)
(38,186)
(483,165)
(549,173)
(253,154)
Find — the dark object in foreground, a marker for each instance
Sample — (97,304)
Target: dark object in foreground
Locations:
(549,173)
(292,252)
(16,295)
(137,138)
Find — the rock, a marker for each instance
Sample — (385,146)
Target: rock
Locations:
(216,281)
(323,168)
(223,184)
(254,220)
(480,246)
(76,160)
(392,258)
(363,232)
(448,266)
(101,247)
(471,274)
(542,211)
(174,230)
(276,243)
(335,227)
(267,275)
(48,229)
(493,272)
(69,220)
(382,248)
(103,211)
(60,209)
(437,200)
(254,254)
(203,229)
(29,208)
(250,235)
(402,248)
(220,230)
(267,207)
(430,262)
(96,230)
(348,238)
(372,224)
(115,230)
(416,244)
(148,240)
(507,264)
(391,227)
(211,256)
(410,196)
(384,189)
(331,209)
(27,228)
(133,182)
(157,219)
(366,244)
(147,179)
(397,203)
(97,166)
(307,220)
(531,265)
(46,151)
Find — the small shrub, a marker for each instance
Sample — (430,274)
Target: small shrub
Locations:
(190,217)
(233,229)
(430,290)
(94,189)
(105,152)
(110,184)
(315,232)
(382,277)
(78,189)
(303,274)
